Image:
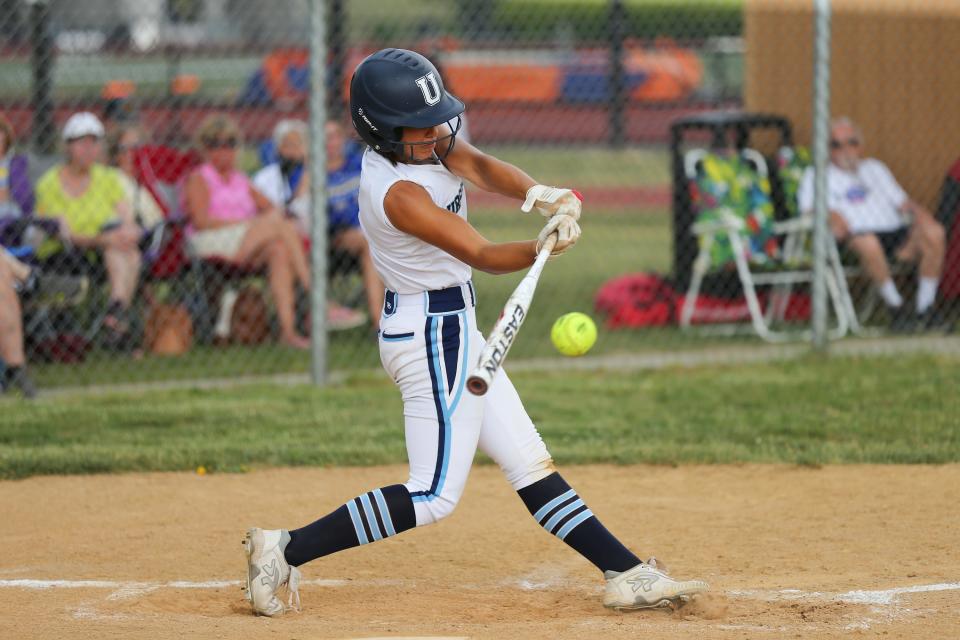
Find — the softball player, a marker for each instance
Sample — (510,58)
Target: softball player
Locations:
(413,211)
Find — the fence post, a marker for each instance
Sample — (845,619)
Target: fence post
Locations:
(617,84)
(41,62)
(821,131)
(338,55)
(318,194)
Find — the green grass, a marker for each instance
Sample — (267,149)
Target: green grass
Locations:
(77,76)
(809,411)
(590,166)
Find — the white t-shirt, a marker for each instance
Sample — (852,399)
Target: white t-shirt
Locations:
(405,263)
(869,199)
(270,182)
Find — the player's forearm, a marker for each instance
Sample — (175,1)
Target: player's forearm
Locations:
(505,257)
(502,177)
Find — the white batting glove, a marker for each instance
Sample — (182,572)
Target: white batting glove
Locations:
(551,201)
(567,230)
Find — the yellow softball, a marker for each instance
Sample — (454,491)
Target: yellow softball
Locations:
(573,333)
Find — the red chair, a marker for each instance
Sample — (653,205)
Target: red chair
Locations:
(163,170)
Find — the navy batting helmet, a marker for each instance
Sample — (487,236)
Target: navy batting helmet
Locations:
(395,88)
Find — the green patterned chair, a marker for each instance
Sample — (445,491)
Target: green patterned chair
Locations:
(737,229)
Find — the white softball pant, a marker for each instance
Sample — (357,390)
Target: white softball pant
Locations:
(429,343)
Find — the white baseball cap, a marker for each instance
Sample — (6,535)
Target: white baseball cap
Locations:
(82,124)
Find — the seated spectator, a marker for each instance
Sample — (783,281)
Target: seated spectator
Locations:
(19,280)
(287,184)
(95,217)
(16,202)
(232,220)
(16,193)
(11,336)
(866,204)
(121,144)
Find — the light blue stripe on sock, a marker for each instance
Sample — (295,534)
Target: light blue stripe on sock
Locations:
(547,508)
(574,523)
(357,522)
(371,517)
(560,515)
(384,511)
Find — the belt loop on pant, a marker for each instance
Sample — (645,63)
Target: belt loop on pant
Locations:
(389,303)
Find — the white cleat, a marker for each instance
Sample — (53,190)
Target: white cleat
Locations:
(646,586)
(267,571)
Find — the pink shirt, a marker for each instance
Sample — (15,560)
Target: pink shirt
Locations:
(229,199)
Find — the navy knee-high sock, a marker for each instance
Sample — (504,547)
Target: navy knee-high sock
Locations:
(561,512)
(377,514)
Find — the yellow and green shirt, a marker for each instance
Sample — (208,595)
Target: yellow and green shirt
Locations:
(86,214)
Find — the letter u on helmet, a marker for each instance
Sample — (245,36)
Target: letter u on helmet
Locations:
(396,88)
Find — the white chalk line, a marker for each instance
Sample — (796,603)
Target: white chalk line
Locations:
(877,597)
(859,596)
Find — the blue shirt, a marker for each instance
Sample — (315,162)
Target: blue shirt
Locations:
(343,189)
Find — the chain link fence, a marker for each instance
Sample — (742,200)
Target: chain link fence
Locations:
(155,215)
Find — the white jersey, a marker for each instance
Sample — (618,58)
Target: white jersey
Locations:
(869,199)
(405,263)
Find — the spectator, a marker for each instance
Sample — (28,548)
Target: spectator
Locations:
(19,279)
(287,184)
(95,217)
(11,336)
(232,220)
(16,193)
(124,140)
(16,202)
(866,204)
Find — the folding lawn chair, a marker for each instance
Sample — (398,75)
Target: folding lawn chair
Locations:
(736,228)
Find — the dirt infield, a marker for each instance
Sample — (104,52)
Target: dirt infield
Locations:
(789,552)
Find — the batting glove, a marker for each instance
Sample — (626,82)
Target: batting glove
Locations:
(567,230)
(551,201)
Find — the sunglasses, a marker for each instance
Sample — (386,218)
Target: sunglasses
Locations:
(220,143)
(849,142)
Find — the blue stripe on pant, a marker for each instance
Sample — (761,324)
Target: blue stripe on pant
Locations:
(446,338)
